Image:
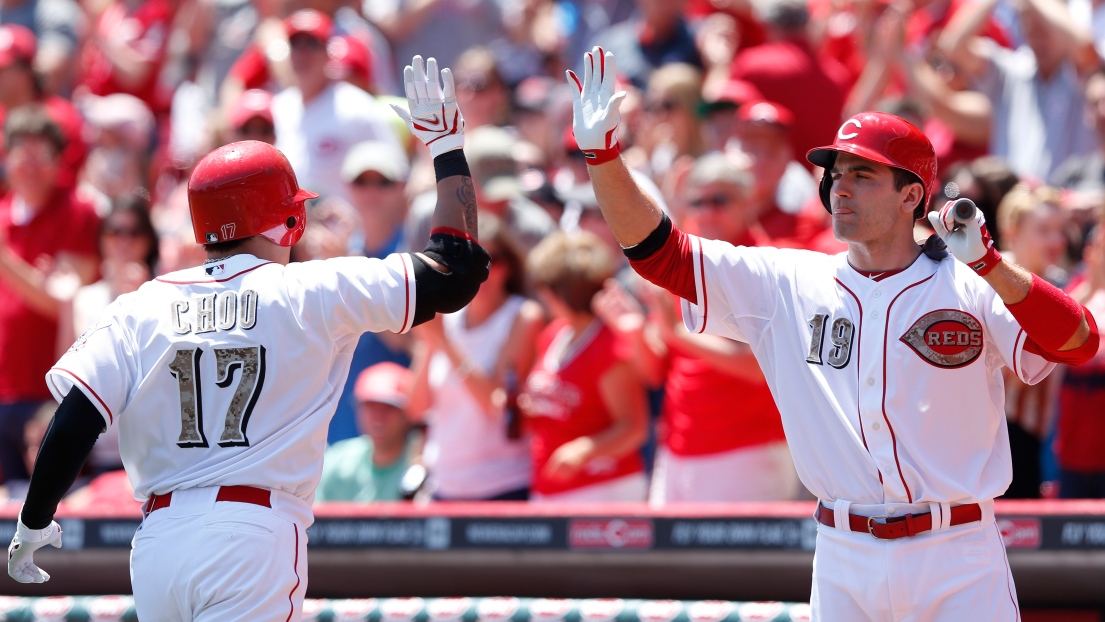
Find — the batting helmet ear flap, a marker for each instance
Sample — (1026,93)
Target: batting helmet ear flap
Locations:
(825,188)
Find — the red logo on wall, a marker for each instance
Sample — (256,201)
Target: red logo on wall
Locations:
(1021,533)
(600,609)
(709,611)
(549,609)
(659,610)
(614,533)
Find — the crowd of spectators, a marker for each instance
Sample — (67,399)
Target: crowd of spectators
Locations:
(567,377)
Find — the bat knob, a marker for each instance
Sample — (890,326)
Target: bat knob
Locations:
(963,210)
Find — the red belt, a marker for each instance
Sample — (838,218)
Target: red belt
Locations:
(895,527)
(237,494)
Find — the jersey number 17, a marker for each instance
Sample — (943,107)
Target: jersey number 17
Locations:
(185,367)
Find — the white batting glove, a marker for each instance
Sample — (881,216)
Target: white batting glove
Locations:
(596,113)
(21,565)
(434,116)
(966,238)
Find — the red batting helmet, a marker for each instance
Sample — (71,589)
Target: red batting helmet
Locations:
(886,139)
(244,189)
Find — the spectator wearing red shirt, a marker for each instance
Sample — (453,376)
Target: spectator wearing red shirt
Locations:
(126,49)
(712,447)
(44,231)
(20,86)
(584,403)
(1081,427)
(787,70)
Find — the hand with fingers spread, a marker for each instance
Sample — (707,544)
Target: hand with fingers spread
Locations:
(596,113)
(21,564)
(967,238)
(433,114)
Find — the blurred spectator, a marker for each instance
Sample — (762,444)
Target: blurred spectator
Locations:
(709,450)
(1034,90)
(441,29)
(376,176)
(350,61)
(1081,425)
(985,181)
(129,248)
(44,231)
(1031,224)
(490,154)
(719,111)
(530,41)
(15,490)
(319,119)
(251,118)
(1085,174)
(371,466)
(656,35)
(583,20)
(782,186)
(468,366)
(57,25)
(121,130)
(672,134)
(125,50)
(20,85)
(481,91)
(786,70)
(541,110)
(583,401)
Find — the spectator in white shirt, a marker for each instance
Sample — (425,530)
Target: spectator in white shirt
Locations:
(320,118)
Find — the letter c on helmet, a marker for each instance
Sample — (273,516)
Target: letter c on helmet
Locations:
(840,133)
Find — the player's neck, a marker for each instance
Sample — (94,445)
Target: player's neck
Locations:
(260,248)
(881,255)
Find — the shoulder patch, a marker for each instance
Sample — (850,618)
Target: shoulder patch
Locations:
(946,338)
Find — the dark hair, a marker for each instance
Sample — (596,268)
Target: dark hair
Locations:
(225,249)
(903,178)
(139,207)
(33,121)
(492,231)
(572,267)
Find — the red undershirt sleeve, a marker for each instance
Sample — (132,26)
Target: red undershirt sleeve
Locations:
(1049,319)
(665,258)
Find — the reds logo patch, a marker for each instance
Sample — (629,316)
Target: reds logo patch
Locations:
(947,338)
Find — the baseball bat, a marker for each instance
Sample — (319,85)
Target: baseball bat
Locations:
(963,211)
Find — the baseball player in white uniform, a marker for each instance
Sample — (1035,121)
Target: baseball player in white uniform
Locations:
(884,360)
(223,377)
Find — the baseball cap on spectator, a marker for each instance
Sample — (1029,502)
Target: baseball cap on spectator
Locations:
(253,103)
(736,92)
(17,44)
(126,116)
(490,153)
(349,58)
(765,113)
(309,22)
(386,383)
(380,157)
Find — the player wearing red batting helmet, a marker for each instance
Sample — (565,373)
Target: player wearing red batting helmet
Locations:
(245,189)
(873,355)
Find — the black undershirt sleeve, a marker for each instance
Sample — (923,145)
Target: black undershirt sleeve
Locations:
(68,442)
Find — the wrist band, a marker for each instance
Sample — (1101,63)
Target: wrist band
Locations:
(450,164)
(601,156)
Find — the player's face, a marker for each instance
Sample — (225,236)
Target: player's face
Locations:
(866,206)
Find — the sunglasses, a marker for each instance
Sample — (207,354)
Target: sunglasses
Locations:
(717,201)
(661,106)
(373,182)
(305,41)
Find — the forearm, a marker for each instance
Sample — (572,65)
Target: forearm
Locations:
(131,68)
(967,113)
(1040,308)
(456,196)
(483,387)
(68,442)
(629,212)
(28,282)
(1075,39)
(963,27)
(622,437)
(421,395)
(725,355)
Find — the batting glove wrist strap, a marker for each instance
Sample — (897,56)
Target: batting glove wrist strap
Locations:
(967,239)
(432,113)
(596,112)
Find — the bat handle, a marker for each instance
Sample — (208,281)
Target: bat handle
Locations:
(963,211)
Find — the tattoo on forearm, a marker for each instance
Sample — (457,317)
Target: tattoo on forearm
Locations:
(466,194)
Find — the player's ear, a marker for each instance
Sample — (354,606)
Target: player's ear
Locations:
(911,196)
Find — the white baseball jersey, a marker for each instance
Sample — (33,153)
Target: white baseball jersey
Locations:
(891,390)
(229,373)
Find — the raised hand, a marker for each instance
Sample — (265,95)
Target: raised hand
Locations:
(433,115)
(596,112)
